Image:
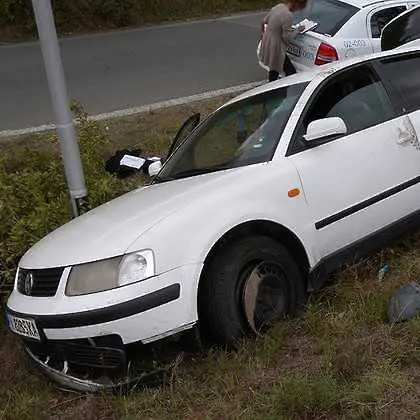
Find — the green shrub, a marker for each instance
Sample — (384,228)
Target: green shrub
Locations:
(34,197)
(80,15)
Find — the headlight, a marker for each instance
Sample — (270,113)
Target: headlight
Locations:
(110,274)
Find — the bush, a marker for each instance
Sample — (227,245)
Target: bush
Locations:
(80,15)
(34,197)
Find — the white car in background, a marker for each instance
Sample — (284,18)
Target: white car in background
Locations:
(253,209)
(345,29)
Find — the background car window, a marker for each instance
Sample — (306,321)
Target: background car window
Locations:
(357,96)
(381,18)
(404,73)
(330,15)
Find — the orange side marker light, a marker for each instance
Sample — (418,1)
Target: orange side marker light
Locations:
(293,193)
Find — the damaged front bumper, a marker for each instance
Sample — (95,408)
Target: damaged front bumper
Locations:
(92,365)
(87,344)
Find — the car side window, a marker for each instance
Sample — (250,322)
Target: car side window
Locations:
(356,95)
(382,17)
(403,72)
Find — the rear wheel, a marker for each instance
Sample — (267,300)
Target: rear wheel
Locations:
(248,286)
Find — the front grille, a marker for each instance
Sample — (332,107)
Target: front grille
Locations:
(105,352)
(39,283)
(99,357)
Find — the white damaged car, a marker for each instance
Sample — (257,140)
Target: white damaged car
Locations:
(255,207)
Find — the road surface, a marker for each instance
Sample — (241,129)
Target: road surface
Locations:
(124,69)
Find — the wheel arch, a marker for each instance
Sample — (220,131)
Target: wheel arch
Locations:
(267,228)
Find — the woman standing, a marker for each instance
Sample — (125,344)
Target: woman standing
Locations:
(277,35)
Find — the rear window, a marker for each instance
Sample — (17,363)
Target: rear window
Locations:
(330,15)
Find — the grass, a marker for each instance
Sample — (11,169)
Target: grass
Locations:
(341,360)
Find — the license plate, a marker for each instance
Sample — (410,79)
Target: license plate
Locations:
(23,326)
(294,50)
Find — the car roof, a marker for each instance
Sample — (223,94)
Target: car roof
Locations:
(322,72)
(366,3)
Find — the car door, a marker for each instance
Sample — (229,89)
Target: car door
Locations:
(358,183)
(402,30)
(378,18)
(402,72)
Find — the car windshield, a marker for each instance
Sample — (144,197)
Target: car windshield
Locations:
(243,133)
(330,15)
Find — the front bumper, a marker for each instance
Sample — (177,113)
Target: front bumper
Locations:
(74,350)
(142,312)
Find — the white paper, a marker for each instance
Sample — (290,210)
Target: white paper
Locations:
(308,24)
(132,161)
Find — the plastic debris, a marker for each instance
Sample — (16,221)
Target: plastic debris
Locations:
(405,304)
(125,163)
(381,274)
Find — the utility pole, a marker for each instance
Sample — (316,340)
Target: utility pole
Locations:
(69,145)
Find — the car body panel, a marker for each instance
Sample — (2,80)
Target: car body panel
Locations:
(104,232)
(320,169)
(260,195)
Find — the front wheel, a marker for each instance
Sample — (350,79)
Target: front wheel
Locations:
(248,286)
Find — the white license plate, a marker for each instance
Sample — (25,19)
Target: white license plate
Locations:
(294,50)
(25,327)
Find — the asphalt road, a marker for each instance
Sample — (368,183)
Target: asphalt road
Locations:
(124,69)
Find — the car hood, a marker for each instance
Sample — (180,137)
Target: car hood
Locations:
(108,230)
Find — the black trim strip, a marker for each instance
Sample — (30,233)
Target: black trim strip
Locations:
(369,202)
(108,314)
(355,251)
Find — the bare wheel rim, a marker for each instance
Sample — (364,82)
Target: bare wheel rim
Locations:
(265,296)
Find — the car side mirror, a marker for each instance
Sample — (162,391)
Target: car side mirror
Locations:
(186,129)
(325,127)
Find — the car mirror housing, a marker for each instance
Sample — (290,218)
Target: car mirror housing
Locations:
(324,128)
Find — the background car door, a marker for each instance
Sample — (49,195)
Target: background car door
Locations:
(379,18)
(357,184)
(405,29)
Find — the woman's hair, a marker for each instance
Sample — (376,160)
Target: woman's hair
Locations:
(298,4)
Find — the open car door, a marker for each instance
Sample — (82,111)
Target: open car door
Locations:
(402,30)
